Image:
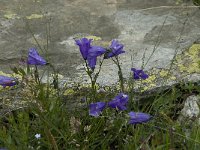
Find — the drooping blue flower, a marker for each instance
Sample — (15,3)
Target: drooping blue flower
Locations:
(34,58)
(93,53)
(84,46)
(115,49)
(95,109)
(139,74)
(7,81)
(90,53)
(139,117)
(119,102)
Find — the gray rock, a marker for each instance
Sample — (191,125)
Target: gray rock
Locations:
(158,29)
(191,109)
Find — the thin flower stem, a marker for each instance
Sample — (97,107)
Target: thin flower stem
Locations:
(88,70)
(32,34)
(158,40)
(93,82)
(97,74)
(36,74)
(93,79)
(121,79)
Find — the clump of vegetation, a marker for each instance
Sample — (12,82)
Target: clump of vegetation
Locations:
(109,119)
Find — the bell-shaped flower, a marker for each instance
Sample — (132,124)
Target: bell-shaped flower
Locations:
(93,53)
(95,109)
(7,81)
(89,53)
(115,49)
(34,58)
(139,117)
(139,74)
(119,102)
(84,46)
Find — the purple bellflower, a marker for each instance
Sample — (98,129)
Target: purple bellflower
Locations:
(93,53)
(115,49)
(88,52)
(34,58)
(95,109)
(7,81)
(119,102)
(139,74)
(138,117)
(84,46)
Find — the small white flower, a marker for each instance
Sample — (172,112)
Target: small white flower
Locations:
(38,136)
(124,96)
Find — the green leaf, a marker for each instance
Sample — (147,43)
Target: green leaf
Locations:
(196,2)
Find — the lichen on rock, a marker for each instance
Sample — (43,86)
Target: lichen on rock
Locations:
(188,62)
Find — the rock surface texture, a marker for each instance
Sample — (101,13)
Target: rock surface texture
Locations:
(158,36)
(191,109)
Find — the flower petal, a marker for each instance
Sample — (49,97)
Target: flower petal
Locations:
(92,62)
(84,46)
(95,109)
(115,49)
(139,117)
(93,53)
(139,74)
(119,102)
(34,58)
(7,81)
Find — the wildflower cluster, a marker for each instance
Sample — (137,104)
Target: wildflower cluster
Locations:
(33,59)
(90,54)
(119,103)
